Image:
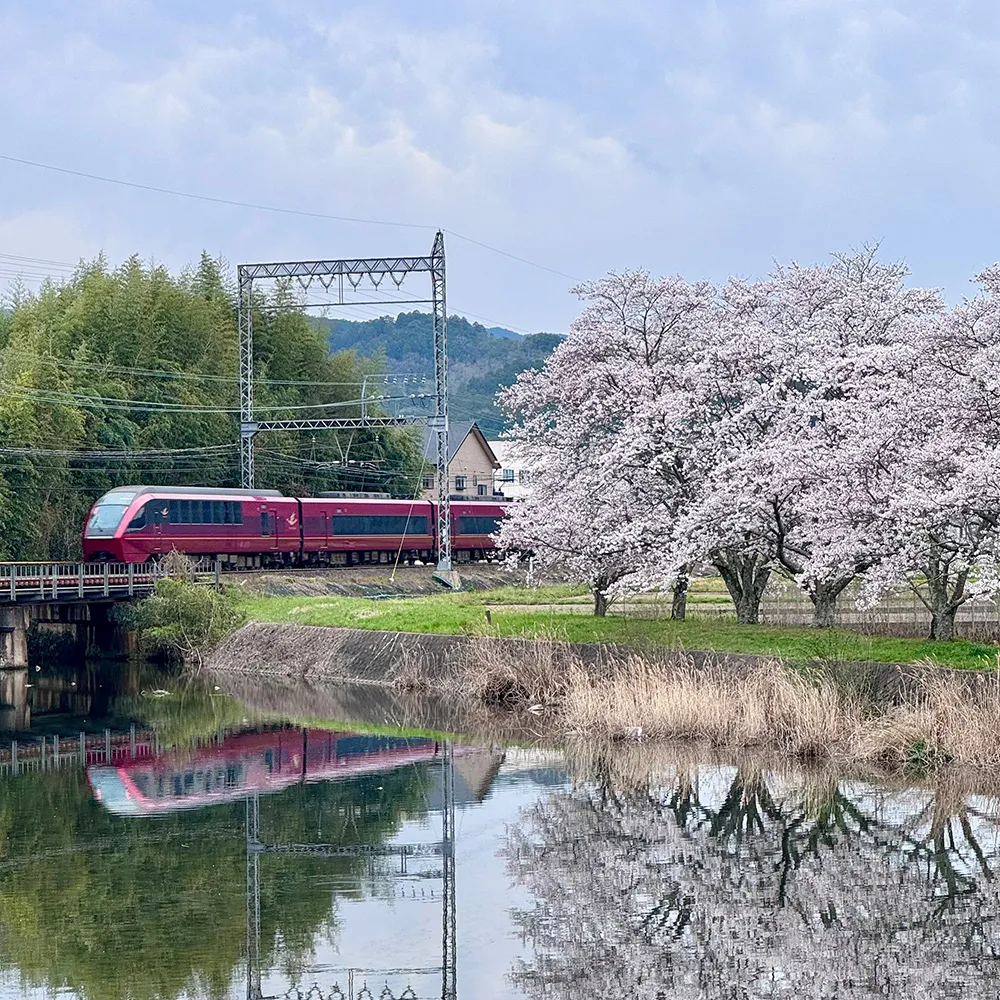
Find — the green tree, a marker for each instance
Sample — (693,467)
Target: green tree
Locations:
(136,361)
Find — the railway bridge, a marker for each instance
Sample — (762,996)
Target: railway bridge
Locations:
(74,597)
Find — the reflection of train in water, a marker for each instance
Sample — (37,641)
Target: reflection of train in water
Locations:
(245,763)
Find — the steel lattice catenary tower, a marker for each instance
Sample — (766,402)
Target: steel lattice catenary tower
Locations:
(330,274)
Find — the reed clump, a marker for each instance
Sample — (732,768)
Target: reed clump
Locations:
(498,675)
(927,718)
(768,706)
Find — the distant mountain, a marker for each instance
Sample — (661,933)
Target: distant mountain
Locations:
(481,359)
(499,331)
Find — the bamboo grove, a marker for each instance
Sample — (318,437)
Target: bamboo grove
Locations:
(129,375)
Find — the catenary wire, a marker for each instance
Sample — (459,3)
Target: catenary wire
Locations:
(273,208)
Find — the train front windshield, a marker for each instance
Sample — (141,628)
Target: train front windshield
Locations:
(110,791)
(107,515)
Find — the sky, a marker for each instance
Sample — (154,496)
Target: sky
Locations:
(682,136)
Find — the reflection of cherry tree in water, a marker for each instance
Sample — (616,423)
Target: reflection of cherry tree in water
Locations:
(735,883)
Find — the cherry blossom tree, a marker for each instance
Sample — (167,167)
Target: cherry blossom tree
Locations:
(793,366)
(603,499)
(923,467)
(580,518)
(824,423)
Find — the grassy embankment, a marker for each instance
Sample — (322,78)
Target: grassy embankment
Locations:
(561,613)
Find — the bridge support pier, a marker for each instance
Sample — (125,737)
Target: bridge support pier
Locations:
(85,626)
(14,621)
(15,712)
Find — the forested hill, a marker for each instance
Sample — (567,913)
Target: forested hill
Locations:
(481,360)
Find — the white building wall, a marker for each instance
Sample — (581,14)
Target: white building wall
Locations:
(512,478)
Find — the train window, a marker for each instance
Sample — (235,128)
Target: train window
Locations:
(478,525)
(379,524)
(200,512)
(104,519)
(264,523)
(139,521)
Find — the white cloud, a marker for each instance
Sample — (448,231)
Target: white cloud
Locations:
(702,138)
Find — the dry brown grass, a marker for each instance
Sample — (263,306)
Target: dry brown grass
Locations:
(515,674)
(946,719)
(768,706)
(935,717)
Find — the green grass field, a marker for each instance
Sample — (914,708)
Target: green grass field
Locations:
(519,614)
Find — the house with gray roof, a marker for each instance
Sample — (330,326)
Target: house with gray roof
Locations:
(471,462)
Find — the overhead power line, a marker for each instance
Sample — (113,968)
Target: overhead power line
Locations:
(139,454)
(167,373)
(258,207)
(89,401)
(205,197)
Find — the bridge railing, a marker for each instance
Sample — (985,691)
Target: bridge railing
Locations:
(53,581)
(53,752)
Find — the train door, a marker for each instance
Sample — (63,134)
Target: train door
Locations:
(161,516)
(268,529)
(322,528)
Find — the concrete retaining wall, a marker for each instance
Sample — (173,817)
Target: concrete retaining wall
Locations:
(319,653)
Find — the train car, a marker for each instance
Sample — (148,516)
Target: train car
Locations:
(250,528)
(347,531)
(244,763)
(473,523)
(133,524)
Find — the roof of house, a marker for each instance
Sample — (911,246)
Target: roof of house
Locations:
(458,431)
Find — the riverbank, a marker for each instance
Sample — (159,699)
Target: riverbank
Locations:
(374,581)
(556,613)
(840,712)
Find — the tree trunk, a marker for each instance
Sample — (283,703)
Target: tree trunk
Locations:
(824,598)
(943,623)
(745,577)
(678,605)
(945,595)
(601,603)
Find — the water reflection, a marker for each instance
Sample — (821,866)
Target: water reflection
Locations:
(45,697)
(736,881)
(423,861)
(236,765)
(145,894)
(210,847)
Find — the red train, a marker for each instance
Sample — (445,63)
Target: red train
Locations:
(248,528)
(244,763)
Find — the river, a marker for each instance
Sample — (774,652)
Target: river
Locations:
(218,842)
